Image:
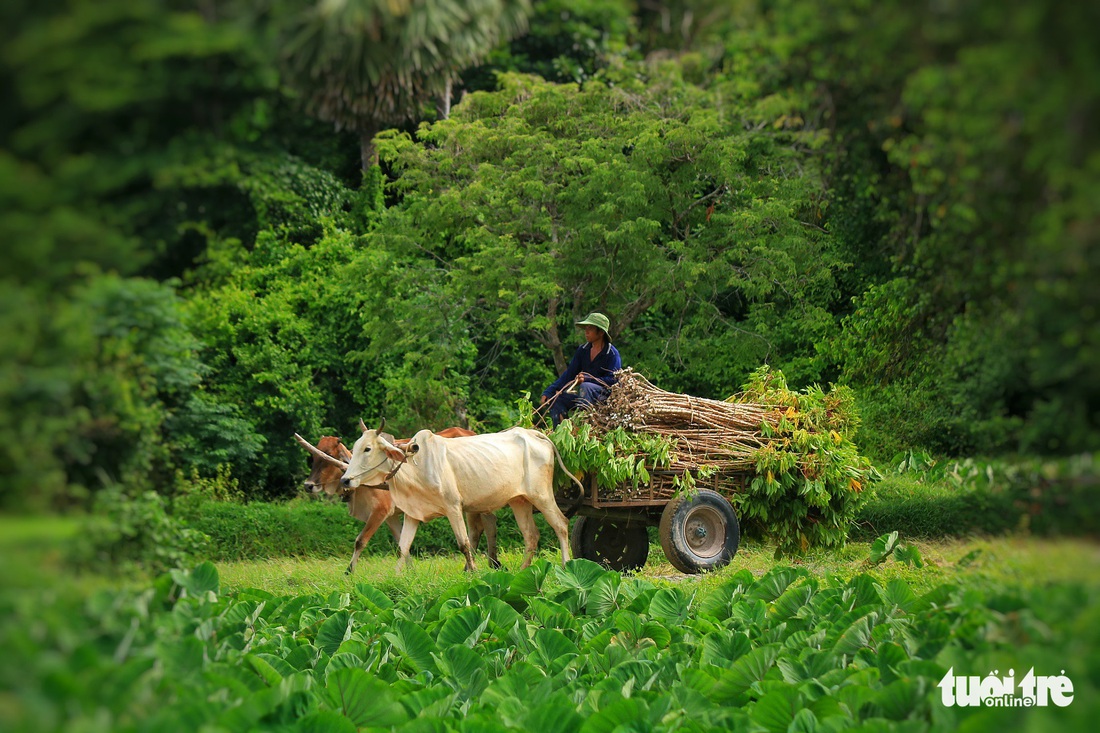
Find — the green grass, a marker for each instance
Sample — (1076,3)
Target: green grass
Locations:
(1019,560)
(35,552)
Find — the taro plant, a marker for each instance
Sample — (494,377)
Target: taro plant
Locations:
(548,648)
(889,545)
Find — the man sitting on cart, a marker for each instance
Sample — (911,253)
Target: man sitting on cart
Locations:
(590,374)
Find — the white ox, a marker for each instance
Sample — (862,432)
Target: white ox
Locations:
(444,477)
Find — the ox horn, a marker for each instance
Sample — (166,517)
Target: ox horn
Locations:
(320,453)
(381,425)
(362,425)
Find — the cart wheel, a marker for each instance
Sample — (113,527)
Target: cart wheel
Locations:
(699,533)
(615,544)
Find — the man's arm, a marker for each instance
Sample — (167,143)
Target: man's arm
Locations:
(567,376)
(614,364)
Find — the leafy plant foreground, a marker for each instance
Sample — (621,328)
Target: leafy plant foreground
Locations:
(545,649)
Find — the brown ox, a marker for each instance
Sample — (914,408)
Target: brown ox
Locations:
(372,505)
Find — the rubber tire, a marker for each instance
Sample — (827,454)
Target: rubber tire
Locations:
(615,544)
(681,521)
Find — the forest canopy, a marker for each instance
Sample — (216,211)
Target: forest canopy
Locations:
(200,258)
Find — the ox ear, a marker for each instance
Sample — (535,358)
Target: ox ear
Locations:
(392,451)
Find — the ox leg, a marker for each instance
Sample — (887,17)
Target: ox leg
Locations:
(393,521)
(489,522)
(526,520)
(374,521)
(458,524)
(558,523)
(473,521)
(408,532)
(484,524)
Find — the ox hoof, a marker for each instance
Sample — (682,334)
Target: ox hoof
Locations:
(495,564)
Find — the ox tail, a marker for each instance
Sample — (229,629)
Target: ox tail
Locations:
(560,462)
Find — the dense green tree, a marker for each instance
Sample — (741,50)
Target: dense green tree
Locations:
(277,329)
(535,204)
(367,64)
(133,136)
(568,41)
(964,186)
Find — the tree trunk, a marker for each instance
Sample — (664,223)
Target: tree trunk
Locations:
(368,156)
(553,339)
(444,108)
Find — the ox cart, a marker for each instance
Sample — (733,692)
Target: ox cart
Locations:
(697,527)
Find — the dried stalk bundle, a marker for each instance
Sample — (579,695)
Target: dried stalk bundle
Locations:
(706,432)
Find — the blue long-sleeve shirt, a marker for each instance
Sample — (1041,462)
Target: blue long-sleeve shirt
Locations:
(603,367)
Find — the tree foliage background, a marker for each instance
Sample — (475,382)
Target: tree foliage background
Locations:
(900,197)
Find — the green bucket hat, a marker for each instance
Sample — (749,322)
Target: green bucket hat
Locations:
(599,320)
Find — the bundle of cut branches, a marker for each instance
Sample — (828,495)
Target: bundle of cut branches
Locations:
(706,432)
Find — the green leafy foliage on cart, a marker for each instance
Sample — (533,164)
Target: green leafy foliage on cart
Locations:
(810,477)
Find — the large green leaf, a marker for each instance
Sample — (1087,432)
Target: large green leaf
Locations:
(373,598)
(723,648)
(749,669)
(464,627)
(890,656)
(792,601)
(670,605)
(363,699)
(580,574)
(716,604)
(437,700)
(464,670)
(198,582)
(909,555)
(656,631)
(555,715)
(483,723)
(413,643)
(804,722)
(883,546)
(898,593)
(344,661)
(861,591)
(552,615)
(777,709)
(325,721)
(604,597)
(772,585)
(335,630)
(528,582)
(857,635)
(622,714)
(270,668)
(899,699)
(553,650)
(502,617)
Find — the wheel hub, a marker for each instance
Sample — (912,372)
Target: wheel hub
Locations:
(704,531)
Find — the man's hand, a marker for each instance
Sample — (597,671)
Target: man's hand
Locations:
(542,401)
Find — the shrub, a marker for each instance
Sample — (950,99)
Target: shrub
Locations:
(924,498)
(129,532)
(307,528)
